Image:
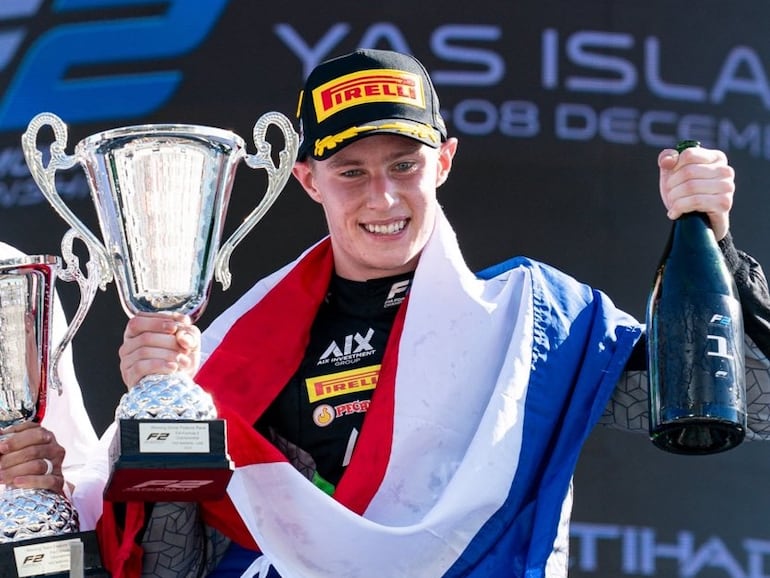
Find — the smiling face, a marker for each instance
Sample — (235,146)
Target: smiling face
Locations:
(379,198)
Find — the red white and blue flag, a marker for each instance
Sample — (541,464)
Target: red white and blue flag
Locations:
(489,386)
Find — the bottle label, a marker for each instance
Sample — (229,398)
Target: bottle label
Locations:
(697,359)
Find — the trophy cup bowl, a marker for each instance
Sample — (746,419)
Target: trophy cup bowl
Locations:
(161,193)
(38,522)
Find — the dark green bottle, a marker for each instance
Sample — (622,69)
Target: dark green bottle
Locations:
(695,344)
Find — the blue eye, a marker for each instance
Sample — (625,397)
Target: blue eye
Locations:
(404,166)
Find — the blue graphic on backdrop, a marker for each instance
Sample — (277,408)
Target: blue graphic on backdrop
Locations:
(41,83)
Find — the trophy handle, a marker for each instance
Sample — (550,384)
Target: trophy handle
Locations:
(88,285)
(45,178)
(277,177)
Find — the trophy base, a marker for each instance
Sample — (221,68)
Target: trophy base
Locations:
(50,557)
(168,461)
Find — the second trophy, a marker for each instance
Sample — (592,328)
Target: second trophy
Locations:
(161,193)
(38,527)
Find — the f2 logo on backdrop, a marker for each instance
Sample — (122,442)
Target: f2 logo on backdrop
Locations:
(41,82)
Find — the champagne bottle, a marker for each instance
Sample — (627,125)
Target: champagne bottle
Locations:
(695,344)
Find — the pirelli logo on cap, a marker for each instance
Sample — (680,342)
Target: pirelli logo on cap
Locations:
(380,85)
(354,380)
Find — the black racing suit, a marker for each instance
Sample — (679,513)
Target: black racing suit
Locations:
(317,417)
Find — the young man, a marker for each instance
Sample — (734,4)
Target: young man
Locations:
(58,453)
(392,413)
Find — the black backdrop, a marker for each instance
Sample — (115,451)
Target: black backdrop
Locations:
(561,108)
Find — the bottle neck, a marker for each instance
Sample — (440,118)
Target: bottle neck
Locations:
(694,228)
(693,246)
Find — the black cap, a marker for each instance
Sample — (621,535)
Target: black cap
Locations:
(366,92)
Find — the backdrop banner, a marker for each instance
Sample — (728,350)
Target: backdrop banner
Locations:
(561,108)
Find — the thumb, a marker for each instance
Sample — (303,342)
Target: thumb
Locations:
(667,159)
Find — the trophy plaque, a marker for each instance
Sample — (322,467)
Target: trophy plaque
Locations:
(161,193)
(37,527)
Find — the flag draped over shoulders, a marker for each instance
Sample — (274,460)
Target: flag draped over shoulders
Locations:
(489,386)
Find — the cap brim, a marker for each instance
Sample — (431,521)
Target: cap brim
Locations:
(325,147)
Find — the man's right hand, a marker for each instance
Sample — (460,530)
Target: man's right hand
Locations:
(158,343)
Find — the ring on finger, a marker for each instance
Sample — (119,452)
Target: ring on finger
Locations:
(48,467)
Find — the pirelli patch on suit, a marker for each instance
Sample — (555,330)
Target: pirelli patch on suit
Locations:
(342,383)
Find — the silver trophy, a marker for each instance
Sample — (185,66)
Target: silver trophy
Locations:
(28,368)
(161,193)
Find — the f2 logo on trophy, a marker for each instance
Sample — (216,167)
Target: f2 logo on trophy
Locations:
(161,193)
